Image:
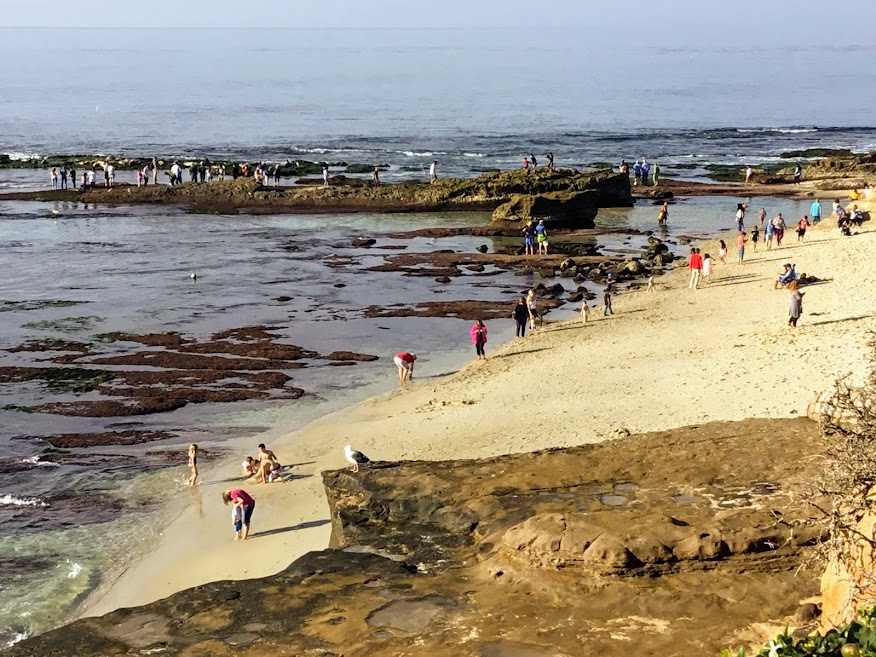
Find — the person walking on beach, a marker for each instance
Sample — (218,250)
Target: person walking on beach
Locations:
(722,252)
(762,217)
(240,498)
(696,268)
(740,247)
(54,178)
(802,225)
(795,305)
(755,236)
(637,170)
(521,317)
(433,172)
(193,464)
(740,216)
(541,237)
(779,226)
(529,239)
(479,338)
(664,213)
(606,299)
(707,268)
(585,311)
(404,361)
(532,308)
(815,211)
(769,235)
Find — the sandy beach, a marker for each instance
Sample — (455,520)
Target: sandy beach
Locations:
(666,359)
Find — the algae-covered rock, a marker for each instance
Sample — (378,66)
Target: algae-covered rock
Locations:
(558,209)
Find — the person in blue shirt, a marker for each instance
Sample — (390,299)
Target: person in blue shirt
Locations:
(529,239)
(646,171)
(637,169)
(815,211)
(541,238)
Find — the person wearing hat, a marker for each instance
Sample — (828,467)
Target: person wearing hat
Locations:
(405,363)
(541,238)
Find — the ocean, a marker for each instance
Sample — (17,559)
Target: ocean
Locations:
(474,100)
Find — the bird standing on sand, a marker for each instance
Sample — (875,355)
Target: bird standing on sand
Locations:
(356,458)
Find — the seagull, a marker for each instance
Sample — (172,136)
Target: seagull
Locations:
(356,458)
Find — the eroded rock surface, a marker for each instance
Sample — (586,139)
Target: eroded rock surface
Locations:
(673,543)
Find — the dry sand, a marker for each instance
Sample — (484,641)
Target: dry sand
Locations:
(667,359)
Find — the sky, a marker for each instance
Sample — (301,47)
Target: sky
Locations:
(710,15)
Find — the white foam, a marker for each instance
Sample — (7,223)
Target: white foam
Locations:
(16,155)
(475,154)
(18,636)
(418,153)
(75,569)
(11,500)
(35,460)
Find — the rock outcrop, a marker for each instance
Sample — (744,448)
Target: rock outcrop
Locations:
(483,193)
(673,543)
(556,209)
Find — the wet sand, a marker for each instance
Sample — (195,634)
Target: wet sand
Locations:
(670,358)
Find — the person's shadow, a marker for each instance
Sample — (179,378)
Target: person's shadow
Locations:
(282,530)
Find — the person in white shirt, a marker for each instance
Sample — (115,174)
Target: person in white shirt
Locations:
(111,174)
(433,171)
(175,174)
(748,173)
(325,176)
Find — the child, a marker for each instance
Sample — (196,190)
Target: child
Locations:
(707,268)
(722,252)
(237,522)
(651,286)
(585,312)
(755,235)
(607,300)
(193,464)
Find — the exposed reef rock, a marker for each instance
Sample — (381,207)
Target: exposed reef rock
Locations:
(485,192)
(530,555)
(561,209)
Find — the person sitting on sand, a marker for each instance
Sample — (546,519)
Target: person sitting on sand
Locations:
(268,466)
(856,216)
(240,498)
(786,276)
(404,361)
(854,196)
(249,466)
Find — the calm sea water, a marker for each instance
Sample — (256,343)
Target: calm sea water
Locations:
(472,99)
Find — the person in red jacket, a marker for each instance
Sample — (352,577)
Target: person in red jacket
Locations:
(479,338)
(405,363)
(696,268)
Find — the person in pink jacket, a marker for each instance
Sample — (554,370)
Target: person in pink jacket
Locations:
(479,338)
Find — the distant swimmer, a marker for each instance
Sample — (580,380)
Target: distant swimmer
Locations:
(433,172)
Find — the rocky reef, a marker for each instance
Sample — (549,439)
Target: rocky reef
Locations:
(483,193)
(673,543)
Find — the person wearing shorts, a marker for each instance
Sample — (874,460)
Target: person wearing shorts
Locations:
(240,498)
(740,247)
(541,238)
(405,363)
(529,239)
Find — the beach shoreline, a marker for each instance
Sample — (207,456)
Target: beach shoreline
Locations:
(667,359)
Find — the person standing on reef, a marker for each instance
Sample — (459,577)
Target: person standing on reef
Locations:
(91,178)
(404,361)
(656,173)
(798,173)
(433,172)
(525,163)
(533,161)
(815,211)
(521,316)
(54,175)
(550,161)
(529,239)
(276,175)
(748,173)
(637,169)
(541,237)
(696,269)
(175,174)
(624,167)
(325,182)
(646,171)
(63,177)
(154,171)
(479,338)
(375,176)
(73,178)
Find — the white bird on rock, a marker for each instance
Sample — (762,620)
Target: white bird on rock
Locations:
(356,458)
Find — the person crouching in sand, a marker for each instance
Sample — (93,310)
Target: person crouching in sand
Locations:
(193,464)
(404,361)
(242,500)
